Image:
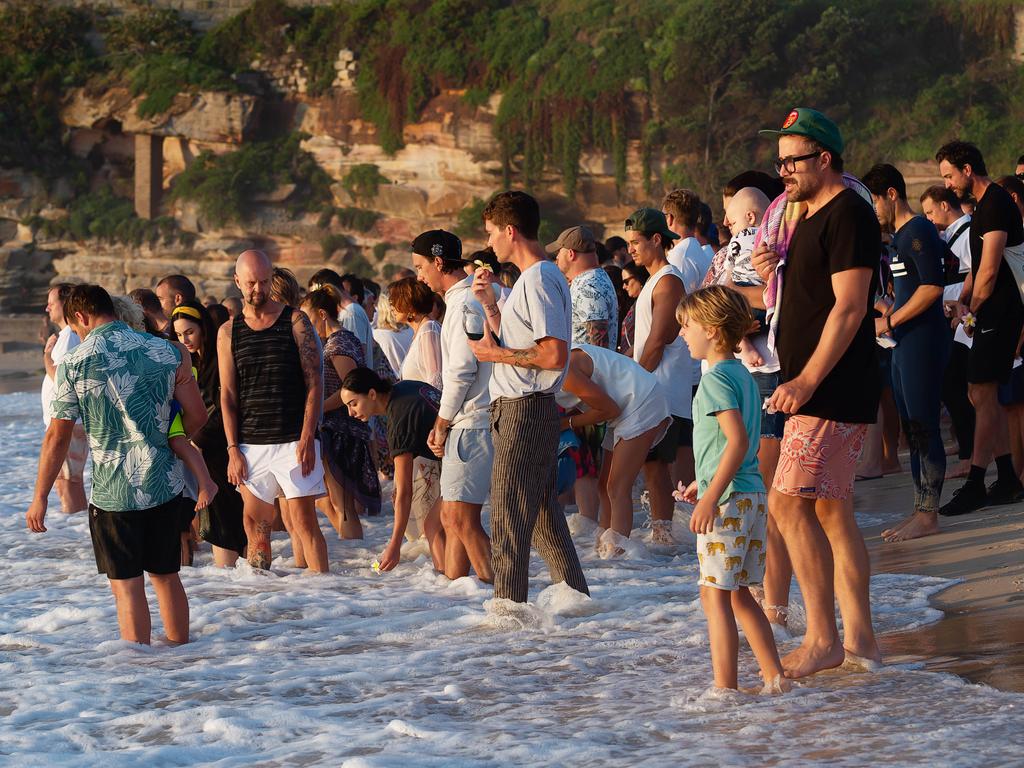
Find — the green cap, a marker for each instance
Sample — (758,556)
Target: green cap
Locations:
(648,222)
(804,121)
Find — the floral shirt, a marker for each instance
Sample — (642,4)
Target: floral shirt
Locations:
(593,298)
(120,383)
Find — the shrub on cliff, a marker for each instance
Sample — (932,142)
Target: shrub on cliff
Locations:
(224,186)
(43,50)
(103,216)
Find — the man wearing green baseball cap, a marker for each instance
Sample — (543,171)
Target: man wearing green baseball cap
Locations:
(830,390)
(658,348)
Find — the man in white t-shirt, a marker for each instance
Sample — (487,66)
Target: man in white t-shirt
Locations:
(681,208)
(942,208)
(530,358)
(70,484)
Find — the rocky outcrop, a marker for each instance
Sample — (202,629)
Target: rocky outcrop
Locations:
(25,275)
(210,117)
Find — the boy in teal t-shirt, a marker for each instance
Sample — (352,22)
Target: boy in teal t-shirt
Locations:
(730,517)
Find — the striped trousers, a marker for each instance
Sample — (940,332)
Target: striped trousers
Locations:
(523,509)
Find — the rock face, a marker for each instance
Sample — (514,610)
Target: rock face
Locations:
(209,117)
(450,161)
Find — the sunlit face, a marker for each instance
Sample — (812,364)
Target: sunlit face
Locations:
(55,307)
(1019,170)
(939,214)
(168,298)
(427,271)
(803,182)
(885,212)
(563,260)
(254,281)
(631,285)
(360,407)
(644,250)
(499,239)
(189,333)
(698,338)
(956,179)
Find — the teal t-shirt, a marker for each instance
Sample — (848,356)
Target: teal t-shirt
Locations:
(726,386)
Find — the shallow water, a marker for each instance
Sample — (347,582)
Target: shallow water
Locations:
(408,669)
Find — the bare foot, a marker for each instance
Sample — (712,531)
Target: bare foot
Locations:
(862,663)
(895,469)
(777,684)
(898,527)
(206,493)
(810,659)
(920,525)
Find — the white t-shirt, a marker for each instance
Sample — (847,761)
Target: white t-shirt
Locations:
(353,319)
(394,344)
(691,261)
(962,248)
(676,370)
(423,363)
(593,298)
(538,307)
(67,340)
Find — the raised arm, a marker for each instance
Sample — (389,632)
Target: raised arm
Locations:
(664,326)
(343,366)
(312,372)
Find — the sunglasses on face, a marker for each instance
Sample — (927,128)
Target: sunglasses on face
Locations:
(789,162)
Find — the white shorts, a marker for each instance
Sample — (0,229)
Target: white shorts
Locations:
(274,471)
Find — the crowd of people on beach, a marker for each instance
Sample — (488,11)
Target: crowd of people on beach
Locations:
(747,372)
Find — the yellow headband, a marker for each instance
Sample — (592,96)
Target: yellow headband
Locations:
(190,311)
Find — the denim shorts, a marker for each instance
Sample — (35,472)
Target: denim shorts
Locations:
(772,424)
(466,469)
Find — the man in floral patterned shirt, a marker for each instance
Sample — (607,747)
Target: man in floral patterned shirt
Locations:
(120,384)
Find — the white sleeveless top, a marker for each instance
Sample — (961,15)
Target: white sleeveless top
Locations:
(675,371)
(628,384)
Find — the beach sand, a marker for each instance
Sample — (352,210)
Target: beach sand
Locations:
(980,636)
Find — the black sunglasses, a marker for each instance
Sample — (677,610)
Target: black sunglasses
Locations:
(789,162)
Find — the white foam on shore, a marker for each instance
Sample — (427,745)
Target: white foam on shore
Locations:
(406,668)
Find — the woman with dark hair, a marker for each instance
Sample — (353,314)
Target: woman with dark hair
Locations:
(352,483)
(634,277)
(221,522)
(625,303)
(411,410)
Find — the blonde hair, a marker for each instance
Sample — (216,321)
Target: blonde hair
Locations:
(285,288)
(721,309)
(387,318)
(129,313)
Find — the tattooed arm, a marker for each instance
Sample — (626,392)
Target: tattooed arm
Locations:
(312,372)
(548,354)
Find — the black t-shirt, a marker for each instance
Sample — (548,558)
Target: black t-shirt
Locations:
(411,413)
(842,235)
(996,212)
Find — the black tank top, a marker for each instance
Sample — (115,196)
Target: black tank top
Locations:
(271,386)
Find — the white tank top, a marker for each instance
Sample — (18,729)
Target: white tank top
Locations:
(625,382)
(675,371)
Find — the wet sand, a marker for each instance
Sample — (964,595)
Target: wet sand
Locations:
(980,637)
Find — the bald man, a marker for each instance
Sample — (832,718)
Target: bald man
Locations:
(271,394)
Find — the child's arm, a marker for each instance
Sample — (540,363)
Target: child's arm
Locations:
(193,459)
(736,445)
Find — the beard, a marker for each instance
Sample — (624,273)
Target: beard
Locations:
(256,300)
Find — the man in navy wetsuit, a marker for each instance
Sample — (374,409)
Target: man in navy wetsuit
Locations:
(919,359)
